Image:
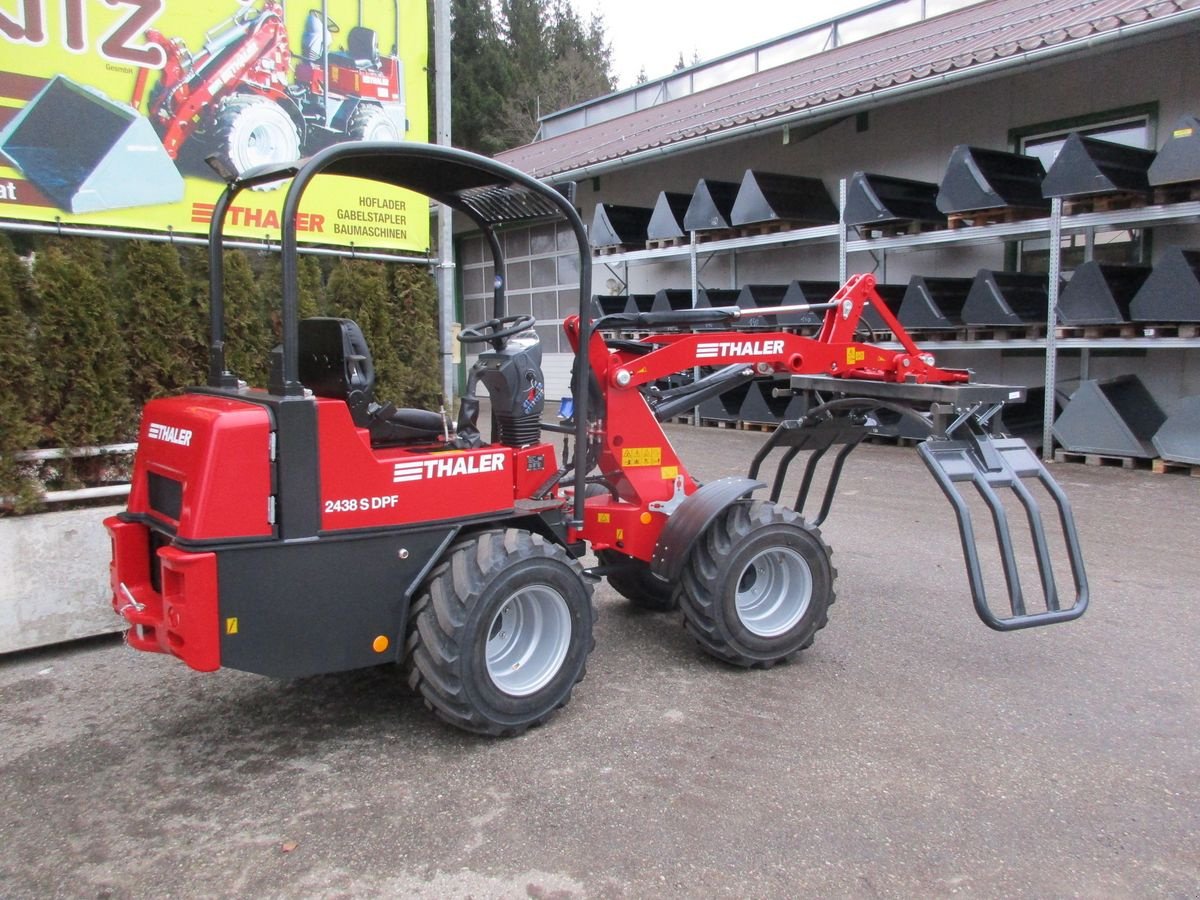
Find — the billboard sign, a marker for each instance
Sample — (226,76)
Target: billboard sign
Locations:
(110,111)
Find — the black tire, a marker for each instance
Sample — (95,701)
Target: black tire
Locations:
(496,597)
(635,583)
(757,586)
(252,130)
(370,123)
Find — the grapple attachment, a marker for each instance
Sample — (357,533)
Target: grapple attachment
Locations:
(964,459)
(991,465)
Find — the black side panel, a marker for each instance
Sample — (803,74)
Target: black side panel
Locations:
(291,610)
(298,512)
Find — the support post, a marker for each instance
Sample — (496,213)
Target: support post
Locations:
(445,216)
(1051,327)
(843,264)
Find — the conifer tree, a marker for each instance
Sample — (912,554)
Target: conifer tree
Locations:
(521,61)
(249,336)
(358,290)
(82,354)
(20,379)
(414,298)
(164,334)
(193,261)
(309,281)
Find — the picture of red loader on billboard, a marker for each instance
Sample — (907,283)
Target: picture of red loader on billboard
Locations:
(141,103)
(239,97)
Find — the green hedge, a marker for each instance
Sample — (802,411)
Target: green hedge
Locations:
(90,330)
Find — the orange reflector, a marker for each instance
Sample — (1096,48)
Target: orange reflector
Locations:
(646,517)
(381,644)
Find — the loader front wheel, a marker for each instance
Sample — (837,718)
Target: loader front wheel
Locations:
(252,131)
(501,632)
(634,581)
(757,586)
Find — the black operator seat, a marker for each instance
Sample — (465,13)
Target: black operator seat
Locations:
(335,363)
(362,49)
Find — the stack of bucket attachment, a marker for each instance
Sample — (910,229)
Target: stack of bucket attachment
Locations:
(622,227)
(1115,418)
(619,304)
(711,206)
(800,292)
(1006,298)
(87,153)
(892,296)
(968,463)
(666,221)
(671,299)
(716,297)
(768,198)
(1171,293)
(770,401)
(763,296)
(1178,439)
(934,303)
(1100,294)
(1175,172)
(881,204)
(726,408)
(1025,419)
(1089,168)
(987,186)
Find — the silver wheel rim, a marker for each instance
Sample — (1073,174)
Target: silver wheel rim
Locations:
(269,140)
(773,592)
(528,640)
(381,129)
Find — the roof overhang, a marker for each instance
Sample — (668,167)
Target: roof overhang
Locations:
(540,159)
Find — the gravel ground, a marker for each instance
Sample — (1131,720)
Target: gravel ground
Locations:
(910,752)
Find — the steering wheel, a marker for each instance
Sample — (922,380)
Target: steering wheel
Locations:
(496,330)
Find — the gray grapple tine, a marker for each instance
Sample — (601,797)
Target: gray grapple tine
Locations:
(1040,545)
(987,464)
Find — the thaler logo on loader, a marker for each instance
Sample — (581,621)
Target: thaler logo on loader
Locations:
(717,350)
(447,467)
(170,434)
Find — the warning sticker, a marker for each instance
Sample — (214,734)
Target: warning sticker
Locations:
(631,457)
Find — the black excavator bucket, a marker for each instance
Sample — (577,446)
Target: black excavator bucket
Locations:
(711,206)
(121,163)
(966,461)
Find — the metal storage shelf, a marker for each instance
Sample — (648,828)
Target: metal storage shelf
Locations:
(1141,343)
(1027,229)
(1079,223)
(1050,227)
(821,234)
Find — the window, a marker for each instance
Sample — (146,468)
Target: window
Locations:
(1132,127)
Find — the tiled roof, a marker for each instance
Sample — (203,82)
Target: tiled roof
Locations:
(993,32)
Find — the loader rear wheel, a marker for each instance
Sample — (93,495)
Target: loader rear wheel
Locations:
(370,123)
(253,130)
(757,586)
(635,583)
(500,635)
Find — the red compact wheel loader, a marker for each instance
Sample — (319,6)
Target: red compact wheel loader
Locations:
(236,96)
(309,527)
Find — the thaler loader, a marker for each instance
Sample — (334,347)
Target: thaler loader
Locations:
(308,527)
